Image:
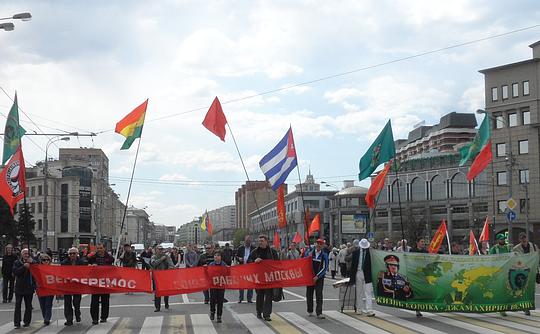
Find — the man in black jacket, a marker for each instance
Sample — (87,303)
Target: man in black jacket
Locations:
(242,255)
(361,276)
(72,303)
(100,258)
(264,296)
(24,288)
(8,260)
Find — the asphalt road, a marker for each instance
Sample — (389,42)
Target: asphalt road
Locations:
(188,314)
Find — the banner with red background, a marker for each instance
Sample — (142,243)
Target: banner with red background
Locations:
(67,280)
(264,275)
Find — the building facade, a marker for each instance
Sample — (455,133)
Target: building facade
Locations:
(191,233)
(138,229)
(251,194)
(512,98)
(223,223)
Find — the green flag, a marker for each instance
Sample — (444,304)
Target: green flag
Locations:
(12,133)
(470,151)
(379,152)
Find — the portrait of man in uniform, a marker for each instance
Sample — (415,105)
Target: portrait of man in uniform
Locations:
(391,283)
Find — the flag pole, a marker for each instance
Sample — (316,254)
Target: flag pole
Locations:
(399,202)
(448,240)
(247,177)
(303,203)
(127,201)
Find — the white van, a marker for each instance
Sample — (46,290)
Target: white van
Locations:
(139,248)
(167,245)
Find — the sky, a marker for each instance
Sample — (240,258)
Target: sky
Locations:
(83,65)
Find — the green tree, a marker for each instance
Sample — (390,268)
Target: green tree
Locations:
(8,225)
(26,225)
(239,236)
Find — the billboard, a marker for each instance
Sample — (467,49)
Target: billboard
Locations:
(353,224)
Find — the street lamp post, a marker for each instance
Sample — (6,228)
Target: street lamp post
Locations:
(46,191)
(9,26)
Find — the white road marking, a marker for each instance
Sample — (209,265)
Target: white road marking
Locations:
(185,298)
(253,324)
(152,325)
(53,328)
(294,294)
(103,328)
(502,322)
(201,324)
(407,323)
(355,323)
(457,323)
(302,323)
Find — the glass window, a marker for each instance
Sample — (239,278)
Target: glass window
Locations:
(40,224)
(40,190)
(523,146)
(33,208)
(438,188)
(402,192)
(459,186)
(522,208)
(499,122)
(504,92)
(418,190)
(494,94)
(515,90)
(501,149)
(501,178)
(40,207)
(526,87)
(526,116)
(524,176)
(32,191)
(512,119)
(501,206)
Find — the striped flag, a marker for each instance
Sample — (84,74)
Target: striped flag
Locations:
(280,161)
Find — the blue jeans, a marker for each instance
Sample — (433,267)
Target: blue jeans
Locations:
(46,307)
(249,295)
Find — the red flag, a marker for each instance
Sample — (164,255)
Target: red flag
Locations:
(297,238)
(484,236)
(376,186)
(277,241)
(209,227)
(481,161)
(13,180)
(438,238)
(282,219)
(473,246)
(215,120)
(315,224)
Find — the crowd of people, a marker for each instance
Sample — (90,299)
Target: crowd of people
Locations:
(351,260)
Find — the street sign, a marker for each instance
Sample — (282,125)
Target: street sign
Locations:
(511,203)
(511,215)
(370,236)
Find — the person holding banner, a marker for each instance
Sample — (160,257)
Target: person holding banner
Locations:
(242,255)
(72,303)
(45,303)
(525,247)
(320,266)
(217,296)
(24,288)
(100,258)
(161,261)
(360,275)
(264,296)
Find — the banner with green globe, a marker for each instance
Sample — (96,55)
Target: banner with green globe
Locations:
(454,283)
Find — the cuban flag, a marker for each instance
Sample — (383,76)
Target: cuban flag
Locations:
(279,162)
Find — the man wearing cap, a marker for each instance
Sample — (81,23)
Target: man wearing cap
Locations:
(500,247)
(525,247)
(391,283)
(320,266)
(361,276)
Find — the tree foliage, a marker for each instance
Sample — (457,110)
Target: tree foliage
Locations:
(26,225)
(239,236)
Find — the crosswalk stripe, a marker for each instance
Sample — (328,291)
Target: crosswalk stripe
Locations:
(482,323)
(103,328)
(456,323)
(294,294)
(407,323)
(201,324)
(185,298)
(177,324)
(281,326)
(53,328)
(253,324)
(122,327)
(302,323)
(383,324)
(503,322)
(355,323)
(6,327)
(152,325)
(522,318)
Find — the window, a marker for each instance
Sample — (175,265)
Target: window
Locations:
(494,94)
(526,87)
(40,224)
(64,202)
(523,147)
(418,190)
(33,207)
(32,191)
(512,119)
(504,92)
(438,188)
(501,206)
(515,90)
(499,122)
(526,117)
(40,207)
(501,149)
(524,176)
(40,190)
(501,178)
(460,209)
(522,208)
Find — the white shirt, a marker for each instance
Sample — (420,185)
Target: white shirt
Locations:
(247,251)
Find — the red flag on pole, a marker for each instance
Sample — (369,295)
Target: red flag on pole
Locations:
(282,219)
(315,224)
(297,238)
(13,180)
(484,236)
(277,241)
(438,238)
(473,246)
(215,120)
(377,185)
(481,161)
